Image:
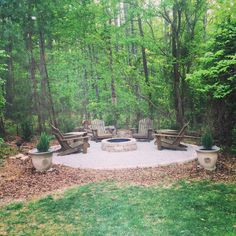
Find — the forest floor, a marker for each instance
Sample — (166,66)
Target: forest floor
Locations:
(19,180)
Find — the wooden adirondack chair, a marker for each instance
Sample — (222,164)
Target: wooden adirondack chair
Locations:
(145,129)
(99,130)
(171,141)
(71,142)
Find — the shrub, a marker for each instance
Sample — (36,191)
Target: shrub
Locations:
(207,140)
(6,151)
(1,141)
(233,146)
(43,144)
(26,130)
(67,125)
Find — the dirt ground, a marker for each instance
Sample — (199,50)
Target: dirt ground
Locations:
(19,180)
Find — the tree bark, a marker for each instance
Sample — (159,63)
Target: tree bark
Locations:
(2,127)
(113,89)
(45,79)
(144,57)
(178,102)
(145,67)
(10,80)
(32,69)
(94,74)
(85,93)
(204,26)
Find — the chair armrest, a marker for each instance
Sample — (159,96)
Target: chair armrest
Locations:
(175,136)
(167,131)
(166,135)
(190,136)
(74,138)
(83,133)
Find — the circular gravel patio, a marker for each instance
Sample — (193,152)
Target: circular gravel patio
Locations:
(146,155)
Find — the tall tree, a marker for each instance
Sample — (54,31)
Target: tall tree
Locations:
(44,15)
(216,79)
(182,17)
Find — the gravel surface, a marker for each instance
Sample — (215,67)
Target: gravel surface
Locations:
(146,155)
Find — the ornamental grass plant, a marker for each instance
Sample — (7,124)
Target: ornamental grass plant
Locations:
(43,144)
(207,140)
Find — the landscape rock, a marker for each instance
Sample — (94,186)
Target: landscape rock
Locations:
(19,156)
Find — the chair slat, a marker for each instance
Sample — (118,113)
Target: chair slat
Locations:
(98,125)
(144,125)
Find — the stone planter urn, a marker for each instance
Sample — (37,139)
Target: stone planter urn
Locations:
(42,161)
(207,158)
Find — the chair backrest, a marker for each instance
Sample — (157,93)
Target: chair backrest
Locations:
(180,135)
(57,132)
(144,125)
(99,125)
(59,136)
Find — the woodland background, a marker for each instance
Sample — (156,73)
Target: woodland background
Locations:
(120,61)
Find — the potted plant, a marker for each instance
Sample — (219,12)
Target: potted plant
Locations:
(42,155)
(207,153)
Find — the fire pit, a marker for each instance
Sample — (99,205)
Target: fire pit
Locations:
(119,144)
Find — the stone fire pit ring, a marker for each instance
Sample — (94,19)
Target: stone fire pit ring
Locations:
(119,144)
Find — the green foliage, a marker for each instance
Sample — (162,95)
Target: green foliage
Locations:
(2,82)
(43,144)
(14,206)
(217,76)
(10,126)
(200,208)
(233,146)
(2,99)
(207,140)
(6,151)
(68,124)
(89,44)
(1,141)
(27,130)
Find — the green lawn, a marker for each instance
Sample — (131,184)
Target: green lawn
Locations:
(110,209)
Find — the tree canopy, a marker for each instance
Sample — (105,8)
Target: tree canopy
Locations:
(67,61)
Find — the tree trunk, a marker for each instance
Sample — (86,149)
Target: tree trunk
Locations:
(145,67)
(10,80)
(94,61)
(45,79)
(144,58)
(112,84)
(178,102)
(132,30)
(113,90)
(32,69)
(2,127)
(204,26)
(85,93)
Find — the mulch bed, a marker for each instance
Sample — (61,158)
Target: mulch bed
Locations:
(19,180)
